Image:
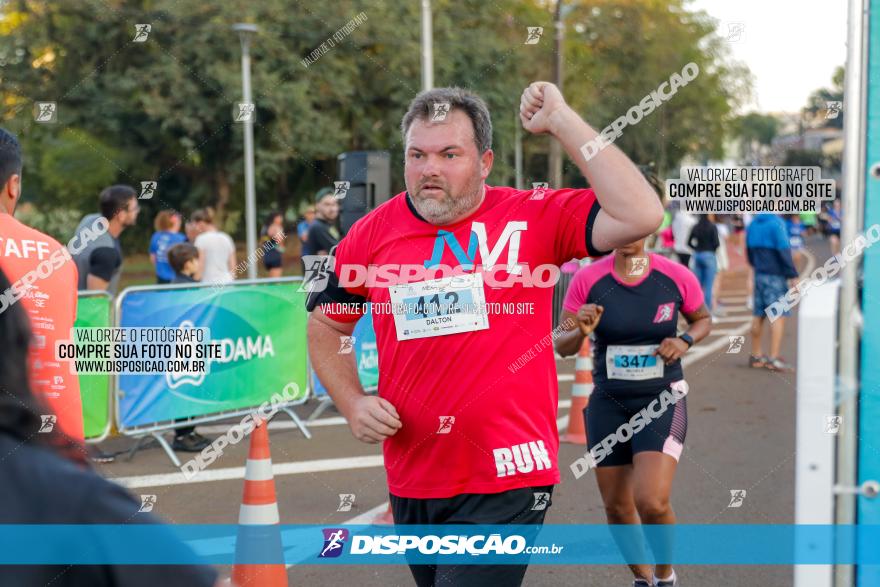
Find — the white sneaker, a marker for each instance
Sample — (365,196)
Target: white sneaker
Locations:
(670,582)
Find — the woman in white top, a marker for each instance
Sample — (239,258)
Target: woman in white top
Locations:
(723,262)
(682,224)
(216,249)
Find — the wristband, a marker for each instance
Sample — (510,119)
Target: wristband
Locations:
(687,338)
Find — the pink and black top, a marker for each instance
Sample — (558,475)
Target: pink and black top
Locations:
(642,312)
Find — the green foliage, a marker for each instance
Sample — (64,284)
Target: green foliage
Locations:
(754,129)
(72,168)
(163,109)
(621,50)
(817,104)
(757,127)
(56,222)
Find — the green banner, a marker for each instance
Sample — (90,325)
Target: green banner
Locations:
(259,329)
(94,311)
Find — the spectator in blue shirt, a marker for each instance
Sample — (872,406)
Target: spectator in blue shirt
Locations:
(302,228)
(167,235)
(769,253)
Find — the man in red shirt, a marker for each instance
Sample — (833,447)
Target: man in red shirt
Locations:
(456,272)
(43,280)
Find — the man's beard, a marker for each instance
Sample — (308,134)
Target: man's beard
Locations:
(449,208)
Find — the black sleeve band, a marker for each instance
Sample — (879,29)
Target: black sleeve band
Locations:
(588,233)
(326,290)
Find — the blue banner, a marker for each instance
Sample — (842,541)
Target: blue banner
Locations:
(472,544)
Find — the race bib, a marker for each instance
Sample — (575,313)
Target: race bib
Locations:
(440,306)
(633,363)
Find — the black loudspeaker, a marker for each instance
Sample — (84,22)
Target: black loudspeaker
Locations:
(368,174)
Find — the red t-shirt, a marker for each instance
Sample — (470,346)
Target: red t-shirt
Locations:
(498,383)
(50,303)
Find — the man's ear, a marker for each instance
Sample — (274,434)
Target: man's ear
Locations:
(10,193)
(486,160)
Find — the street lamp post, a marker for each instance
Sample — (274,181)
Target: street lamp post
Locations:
(554,162)
(427,47)
(245,32)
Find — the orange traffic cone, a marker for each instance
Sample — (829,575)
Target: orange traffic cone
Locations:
(385,518)
(259,534)
(580,395)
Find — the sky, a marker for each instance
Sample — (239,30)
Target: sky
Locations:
(791,46)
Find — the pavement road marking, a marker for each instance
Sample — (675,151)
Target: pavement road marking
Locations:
(367,516)
(701,351)
(276,425)
(278,469)
(728,319)
(315,466)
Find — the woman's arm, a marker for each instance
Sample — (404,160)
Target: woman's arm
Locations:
(570,341)
(699,326)
(576,327)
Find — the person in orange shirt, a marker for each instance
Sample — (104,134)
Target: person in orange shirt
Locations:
(44,282)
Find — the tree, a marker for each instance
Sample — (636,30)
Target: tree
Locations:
(817,109)
(624,49)
(163,109)
(753,131)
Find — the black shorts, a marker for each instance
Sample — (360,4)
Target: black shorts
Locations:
(517,506)
(272,259)
(659,428)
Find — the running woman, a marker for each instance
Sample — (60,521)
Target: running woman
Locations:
(271,237)
(468,427)
(630,302)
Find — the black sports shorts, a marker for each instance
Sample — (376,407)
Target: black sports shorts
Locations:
(620,425)
(517,506)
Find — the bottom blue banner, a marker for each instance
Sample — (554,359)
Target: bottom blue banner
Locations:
(513,544)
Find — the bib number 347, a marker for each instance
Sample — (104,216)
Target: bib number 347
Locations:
(633,363)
